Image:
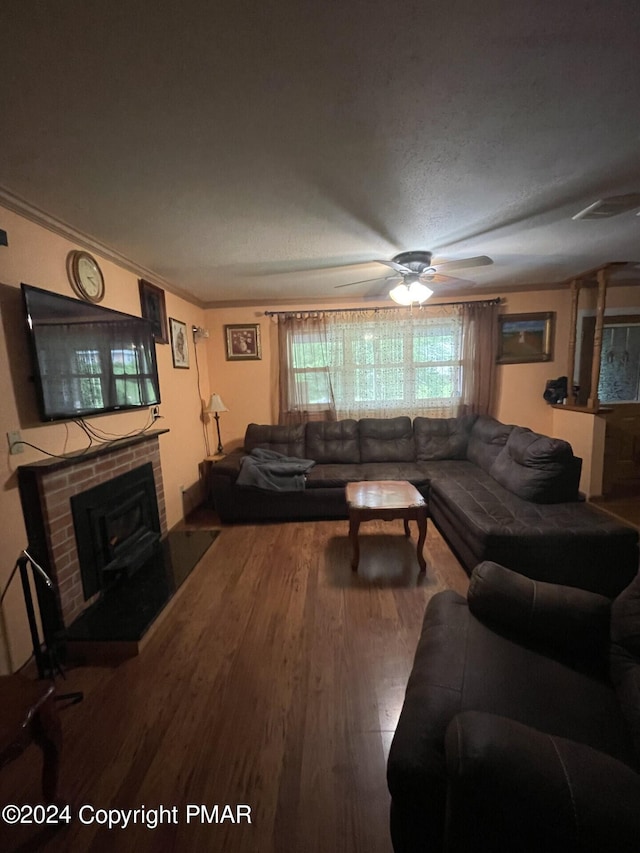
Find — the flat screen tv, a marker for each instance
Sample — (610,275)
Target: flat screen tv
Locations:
(88,359)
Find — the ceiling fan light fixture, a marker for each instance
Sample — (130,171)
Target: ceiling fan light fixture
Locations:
(413,293)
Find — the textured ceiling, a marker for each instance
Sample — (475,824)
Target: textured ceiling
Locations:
(233,148)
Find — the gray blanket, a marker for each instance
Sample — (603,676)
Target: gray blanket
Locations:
(266,469)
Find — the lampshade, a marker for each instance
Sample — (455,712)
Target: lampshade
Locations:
(407,295)
(216,404)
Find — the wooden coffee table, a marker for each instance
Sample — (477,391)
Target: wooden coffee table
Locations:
(386,499)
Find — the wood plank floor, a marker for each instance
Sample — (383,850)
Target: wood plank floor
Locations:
(275,681)
(624,508)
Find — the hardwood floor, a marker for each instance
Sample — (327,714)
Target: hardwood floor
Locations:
(625,508)
(275,681)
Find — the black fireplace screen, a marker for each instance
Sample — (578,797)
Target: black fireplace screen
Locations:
(117,527)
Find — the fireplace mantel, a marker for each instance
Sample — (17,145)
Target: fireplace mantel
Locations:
(55,463)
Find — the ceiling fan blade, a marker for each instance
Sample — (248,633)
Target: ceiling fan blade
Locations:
(464,263)
(438,278)
(394,266)
(279,268)
(387,279)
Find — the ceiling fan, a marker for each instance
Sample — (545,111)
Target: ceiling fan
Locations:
(413,272)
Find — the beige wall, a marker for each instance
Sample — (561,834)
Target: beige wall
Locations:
(586,434)
(37,256)
(246,387)
(521,386)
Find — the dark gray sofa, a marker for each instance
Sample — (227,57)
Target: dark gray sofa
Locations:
(520,728)
(496,492)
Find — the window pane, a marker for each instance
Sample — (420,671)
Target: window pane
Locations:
(308,354)
(362,351)
(620,365)
(313,386)
(379,384)
(437,382)
(436,346)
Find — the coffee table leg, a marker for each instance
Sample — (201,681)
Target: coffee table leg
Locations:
(354,526)
(407,532)
(422,529)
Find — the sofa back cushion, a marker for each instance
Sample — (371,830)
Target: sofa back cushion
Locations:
(625,618)
(537,468)
(442,438)
(333,441)
(288,440)
(386,440)
(625,656)
(487,438)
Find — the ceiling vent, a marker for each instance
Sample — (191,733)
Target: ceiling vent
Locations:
(612,206)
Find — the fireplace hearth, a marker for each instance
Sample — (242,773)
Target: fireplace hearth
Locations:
(118,623)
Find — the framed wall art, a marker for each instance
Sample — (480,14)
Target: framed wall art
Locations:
(153,308)
(243,342)
(179,343)
(525,337)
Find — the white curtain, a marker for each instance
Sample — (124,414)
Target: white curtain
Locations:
(398,362)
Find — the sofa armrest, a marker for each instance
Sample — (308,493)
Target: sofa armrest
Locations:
(564,620)
(511,787)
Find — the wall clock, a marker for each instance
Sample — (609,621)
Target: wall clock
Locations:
(85,276)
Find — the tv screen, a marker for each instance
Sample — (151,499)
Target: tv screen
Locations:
(88,359)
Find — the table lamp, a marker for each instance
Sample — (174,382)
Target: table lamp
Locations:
(215,406)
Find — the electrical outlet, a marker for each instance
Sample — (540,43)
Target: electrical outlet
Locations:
(15,442)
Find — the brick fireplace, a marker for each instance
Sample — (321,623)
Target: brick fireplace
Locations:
(46,490)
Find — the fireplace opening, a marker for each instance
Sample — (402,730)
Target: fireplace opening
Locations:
(117,528)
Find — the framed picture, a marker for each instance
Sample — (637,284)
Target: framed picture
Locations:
(525,337)
(179,343)
(154,309)
(243,342)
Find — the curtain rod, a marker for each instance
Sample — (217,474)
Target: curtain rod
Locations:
(495,301)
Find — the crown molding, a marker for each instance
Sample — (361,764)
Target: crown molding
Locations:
(40,217)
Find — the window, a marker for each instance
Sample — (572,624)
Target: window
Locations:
(620,363)
(378,366)
(619,380)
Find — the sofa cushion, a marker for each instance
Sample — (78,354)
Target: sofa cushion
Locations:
(330,475)
(625,618)
(442,438)
(625,655)
(338,475)
(537,468)
(573,623)
(487,438)
(386,439)
(625,675)
(571,543)
(288,440)
(333,441)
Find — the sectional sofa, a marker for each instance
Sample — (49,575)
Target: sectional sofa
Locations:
(495,491)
